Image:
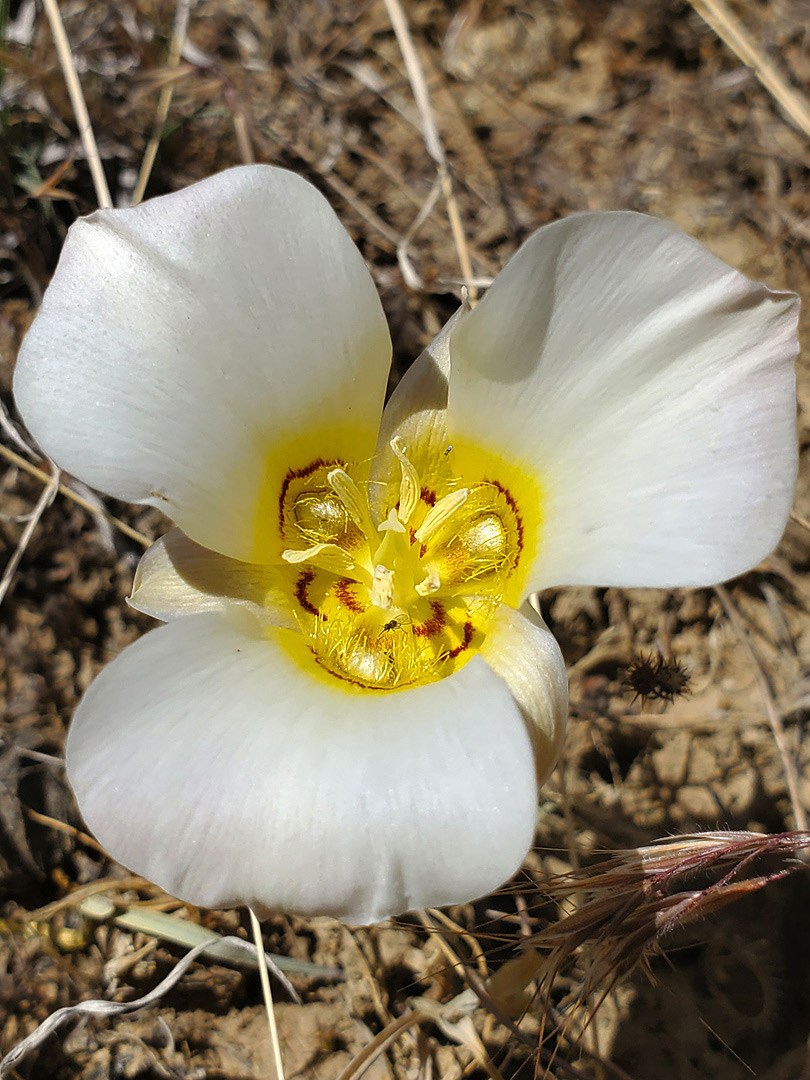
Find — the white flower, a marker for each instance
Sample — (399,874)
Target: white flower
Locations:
(346,713)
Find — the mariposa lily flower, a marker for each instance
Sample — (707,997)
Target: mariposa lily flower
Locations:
(352,707)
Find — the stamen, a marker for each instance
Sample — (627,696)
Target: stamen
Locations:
(409,485)
(353,499)
(439,514)
(327,557)
(382,589)
(430,584)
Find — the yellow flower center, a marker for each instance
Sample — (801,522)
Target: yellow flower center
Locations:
(404,596)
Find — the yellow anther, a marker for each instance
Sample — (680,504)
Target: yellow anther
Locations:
(382,589)
(440,514)
(327,557)
(409,485)
(430,584)
(320,516)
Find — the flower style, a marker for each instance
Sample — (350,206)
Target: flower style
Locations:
(352,705)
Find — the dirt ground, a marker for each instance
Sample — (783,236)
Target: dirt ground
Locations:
(545,108)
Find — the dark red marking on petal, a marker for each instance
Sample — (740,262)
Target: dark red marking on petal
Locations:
(300,474)
(427,496)
(513,507)
(344,595)
(302,584)
(351,681)
(435,624)
(469,631)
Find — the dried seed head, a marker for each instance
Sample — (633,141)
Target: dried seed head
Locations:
(654,678)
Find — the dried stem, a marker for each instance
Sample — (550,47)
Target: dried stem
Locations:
(45,499)
(774,719)
(731,31)
(78,102)
(433,143)
(69,493)
(278,1067)
(378,1044)
(799,520)
(181,17)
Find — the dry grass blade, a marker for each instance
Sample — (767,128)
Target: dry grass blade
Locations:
(369,1054)
(409,274)
(444,945)
(241,128)
(774,718)
(62,826)
(78,102)
(466,936)
(9,429)
(730,30)
(93,888)
(267,994)
(69,493)
(45,499)
(181,18)
(433,143)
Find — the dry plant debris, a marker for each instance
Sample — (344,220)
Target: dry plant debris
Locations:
(542,111)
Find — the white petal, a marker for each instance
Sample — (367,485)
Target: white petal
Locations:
(647,388)
(191,350)
(177,577)
(522,650)
(219,761)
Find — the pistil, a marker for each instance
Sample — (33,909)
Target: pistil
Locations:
(397,557)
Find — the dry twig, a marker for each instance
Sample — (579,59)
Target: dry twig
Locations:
(62,826)
(466,936)
(132,881)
